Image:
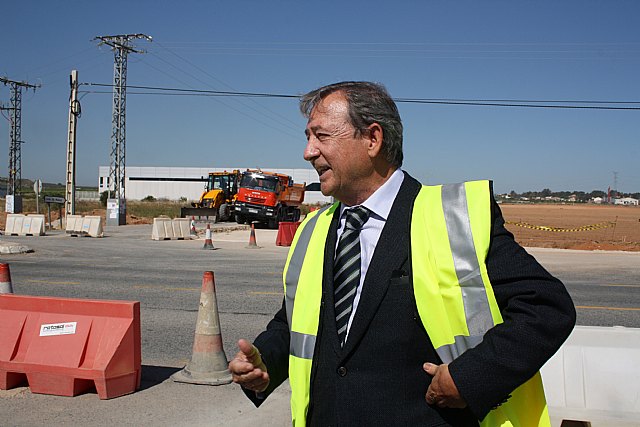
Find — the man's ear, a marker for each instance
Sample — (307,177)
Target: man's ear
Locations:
(374,139)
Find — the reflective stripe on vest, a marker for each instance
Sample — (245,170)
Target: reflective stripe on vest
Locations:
(455,264)
(450,236)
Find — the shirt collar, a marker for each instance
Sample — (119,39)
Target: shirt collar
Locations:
(380,202)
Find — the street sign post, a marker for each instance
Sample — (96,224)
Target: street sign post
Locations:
(59,201)
(37,188)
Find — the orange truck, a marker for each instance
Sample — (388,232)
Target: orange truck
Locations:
(268,197)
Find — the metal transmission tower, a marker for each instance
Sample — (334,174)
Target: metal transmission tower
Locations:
(121,45)
(15,134)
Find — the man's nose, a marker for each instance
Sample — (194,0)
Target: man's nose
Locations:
(311,151)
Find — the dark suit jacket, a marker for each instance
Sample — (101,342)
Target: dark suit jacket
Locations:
(377,378)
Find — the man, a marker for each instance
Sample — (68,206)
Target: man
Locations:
(404,304)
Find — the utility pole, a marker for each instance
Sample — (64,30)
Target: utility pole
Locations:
(15,140)
(121,45)
(74,114)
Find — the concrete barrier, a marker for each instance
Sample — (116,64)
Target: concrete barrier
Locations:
(78,225)
(595,378)
(24,225)
(168,229)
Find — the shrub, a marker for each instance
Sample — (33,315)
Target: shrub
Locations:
(103,198)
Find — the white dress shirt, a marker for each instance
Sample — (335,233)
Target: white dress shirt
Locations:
(379,203)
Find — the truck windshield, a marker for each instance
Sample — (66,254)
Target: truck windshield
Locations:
(218,182)
(259,182)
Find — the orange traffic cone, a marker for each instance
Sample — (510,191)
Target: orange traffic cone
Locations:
(193,226)
(5,279)
(208,364)
(252,239)
(208,244)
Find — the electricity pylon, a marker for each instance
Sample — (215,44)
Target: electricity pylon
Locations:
(121,45)
(15,133)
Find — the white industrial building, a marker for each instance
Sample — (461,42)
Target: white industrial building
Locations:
(175,183)
(629,201)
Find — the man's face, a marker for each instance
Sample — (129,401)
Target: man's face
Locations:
(340,158)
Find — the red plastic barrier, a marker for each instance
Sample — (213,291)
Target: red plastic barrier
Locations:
(66,346)
(286,231)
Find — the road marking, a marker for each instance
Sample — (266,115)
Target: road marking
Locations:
(589,307)
(264,293)
(53,283)
(622,286)
(163,288)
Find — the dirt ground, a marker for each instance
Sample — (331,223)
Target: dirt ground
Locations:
(586,227)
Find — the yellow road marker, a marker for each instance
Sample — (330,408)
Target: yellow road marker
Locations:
(589,307)
(49,282)
(622,286)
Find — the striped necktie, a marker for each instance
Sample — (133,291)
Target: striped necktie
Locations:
(346,267)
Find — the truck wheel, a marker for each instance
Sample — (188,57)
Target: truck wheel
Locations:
(273,223)
(240,219)
(224,212)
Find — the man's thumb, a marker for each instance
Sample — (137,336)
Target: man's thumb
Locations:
(248,349)
(430,368)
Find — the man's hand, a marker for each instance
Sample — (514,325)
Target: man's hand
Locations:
(248,369)
(443,391)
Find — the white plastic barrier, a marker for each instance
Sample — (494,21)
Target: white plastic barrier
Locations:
(89,225)
(595,377)
(166,229)
(24,225)
(182,227)
(92,226)
(73,225)
(157,232)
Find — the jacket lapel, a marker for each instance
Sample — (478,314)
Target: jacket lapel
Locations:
(390,254)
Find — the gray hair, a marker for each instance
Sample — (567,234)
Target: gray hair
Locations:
(368,103)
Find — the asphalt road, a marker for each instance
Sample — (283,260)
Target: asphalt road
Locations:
(165,276)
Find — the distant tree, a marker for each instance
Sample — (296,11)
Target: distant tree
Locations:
(545,193)
(103,198)
(513,194)
(149,199)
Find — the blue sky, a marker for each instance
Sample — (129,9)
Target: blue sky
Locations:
(517,50)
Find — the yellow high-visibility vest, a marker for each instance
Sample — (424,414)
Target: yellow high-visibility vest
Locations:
(450,236)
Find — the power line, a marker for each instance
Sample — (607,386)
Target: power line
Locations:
(291,124)
(520,103)
(276,122)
